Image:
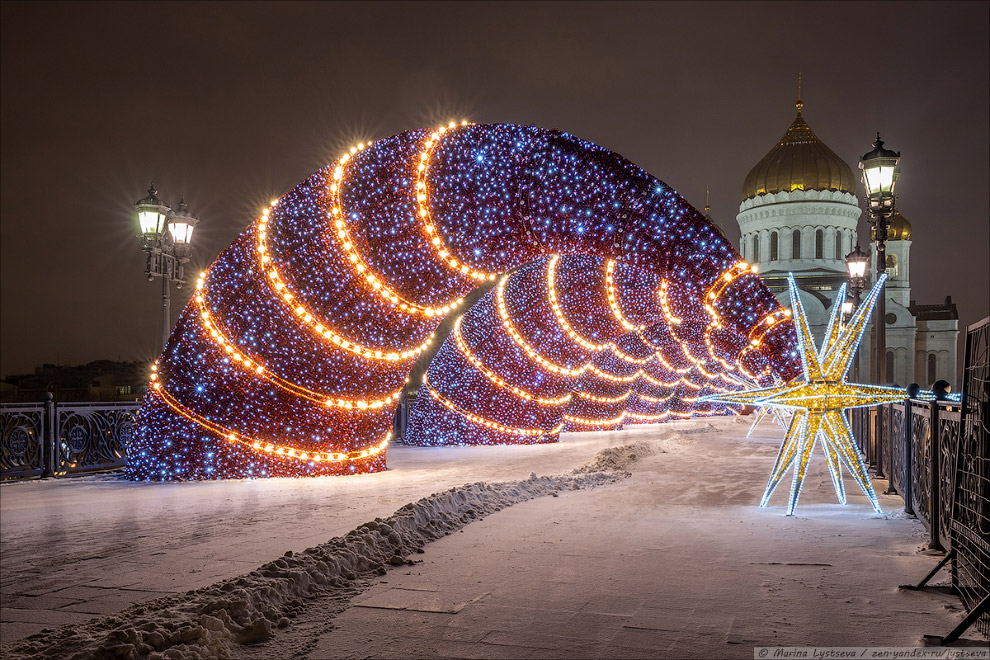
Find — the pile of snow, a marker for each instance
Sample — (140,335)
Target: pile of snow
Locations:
(618,458)
(211,622)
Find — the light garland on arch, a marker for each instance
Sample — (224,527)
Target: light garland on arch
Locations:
(256,369)
(346,255)
(559,313)
(477,419)
(593,389)
(360,266)
(495,378)
(613,298)
(275,449)
(524,345)
(426,220)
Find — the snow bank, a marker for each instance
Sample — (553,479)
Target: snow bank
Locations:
(618,458)
(211,622)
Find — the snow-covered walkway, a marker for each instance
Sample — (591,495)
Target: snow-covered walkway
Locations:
(75,548)
(675,561)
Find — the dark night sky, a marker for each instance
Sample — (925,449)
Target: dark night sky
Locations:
(232,104)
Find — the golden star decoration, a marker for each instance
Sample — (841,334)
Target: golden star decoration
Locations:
(819,399)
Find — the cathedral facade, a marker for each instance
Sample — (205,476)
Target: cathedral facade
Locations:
(799,214)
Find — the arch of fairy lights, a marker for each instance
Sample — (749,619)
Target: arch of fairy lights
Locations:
(611,351)
(300,337)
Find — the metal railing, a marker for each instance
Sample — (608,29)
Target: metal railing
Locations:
(936,455)
(52,439)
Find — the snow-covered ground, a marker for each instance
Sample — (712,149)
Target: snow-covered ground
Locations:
(674,560)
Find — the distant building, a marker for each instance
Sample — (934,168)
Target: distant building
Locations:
(800,214)
(101,380)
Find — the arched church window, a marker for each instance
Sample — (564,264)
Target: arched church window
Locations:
(773,246)
(932,369)
(756,248)
(838,245)
(796,244)
(891,266)
(890,367)
(819,244)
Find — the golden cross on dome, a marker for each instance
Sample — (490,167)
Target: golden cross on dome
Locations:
(819,398)
(799,104)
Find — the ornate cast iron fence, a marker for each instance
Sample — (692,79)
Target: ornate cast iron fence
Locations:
(923,449)
(51,439)
(946,480)
(25,427)
(970,507)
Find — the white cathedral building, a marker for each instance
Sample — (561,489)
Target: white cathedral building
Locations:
(800,214)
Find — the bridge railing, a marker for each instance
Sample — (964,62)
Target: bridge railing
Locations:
(936,455)
(52,439)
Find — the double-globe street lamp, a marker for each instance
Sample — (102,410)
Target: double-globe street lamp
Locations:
(857,263)
(166,237)
(880,174)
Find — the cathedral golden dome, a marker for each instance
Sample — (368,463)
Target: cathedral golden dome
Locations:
(899,229)
(799,161)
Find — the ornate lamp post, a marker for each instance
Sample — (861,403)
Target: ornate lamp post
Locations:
(880,174)
(166,236)
(857,262)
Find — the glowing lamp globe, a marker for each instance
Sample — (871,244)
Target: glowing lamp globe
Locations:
(181,224)
(880,174)
(856,263)
(151,213)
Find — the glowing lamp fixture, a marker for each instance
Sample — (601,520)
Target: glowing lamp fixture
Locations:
(880,174)
(166,236)
(151,213)
(181,224)
(856,263)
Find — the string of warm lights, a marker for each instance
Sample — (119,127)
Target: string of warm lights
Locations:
(613,298)
(423,209)
(584,421)
(477,419)
(665,305)
(253,367)
(495,378)
(559,313)
(360,266)
(275,449)
(604,399)
(309,320)
(529,350)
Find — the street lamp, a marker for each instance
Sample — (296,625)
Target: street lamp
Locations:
(166,236)
(151,217)
(880,174)
(857,263)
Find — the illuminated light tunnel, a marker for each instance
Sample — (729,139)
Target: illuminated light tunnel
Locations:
(291,357)
(577,343)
